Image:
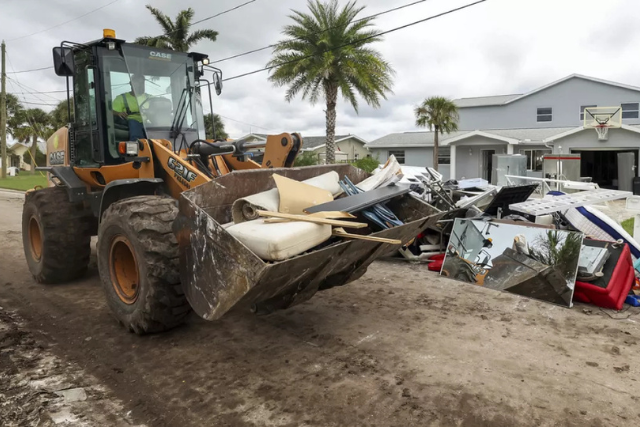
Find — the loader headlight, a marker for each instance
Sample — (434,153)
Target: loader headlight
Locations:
(205,61)
(129,148)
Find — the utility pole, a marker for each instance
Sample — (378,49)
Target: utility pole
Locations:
(3,114)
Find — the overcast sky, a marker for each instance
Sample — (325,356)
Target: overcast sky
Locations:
(497,47)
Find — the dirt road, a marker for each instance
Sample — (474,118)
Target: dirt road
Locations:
(399,347)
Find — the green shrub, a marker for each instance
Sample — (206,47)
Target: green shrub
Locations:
(367,164)
(306,159)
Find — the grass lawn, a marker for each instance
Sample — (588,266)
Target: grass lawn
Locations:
(24,181)
(627,224)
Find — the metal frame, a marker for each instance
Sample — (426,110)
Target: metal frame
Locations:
(560,183)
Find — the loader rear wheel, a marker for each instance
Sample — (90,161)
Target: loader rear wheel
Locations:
(56,235)
(138,263)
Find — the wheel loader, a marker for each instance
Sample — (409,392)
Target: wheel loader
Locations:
(158,194)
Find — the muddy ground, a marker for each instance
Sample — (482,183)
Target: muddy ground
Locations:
(399,347)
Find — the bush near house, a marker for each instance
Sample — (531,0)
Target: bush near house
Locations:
(23,181)
(306,159)
(367,164)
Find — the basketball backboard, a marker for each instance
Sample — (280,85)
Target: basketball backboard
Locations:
(602,119)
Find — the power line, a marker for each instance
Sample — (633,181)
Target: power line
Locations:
(241,122)
(211,17)
(320,32)
(37,103)
(63,23)
(358,41)
(29,71)
(165,34)
(31,90)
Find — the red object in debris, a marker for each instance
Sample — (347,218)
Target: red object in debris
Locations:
(620,282)
(436,265)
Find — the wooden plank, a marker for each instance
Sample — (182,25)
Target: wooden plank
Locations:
(327,215)
(307,218)
(337,232)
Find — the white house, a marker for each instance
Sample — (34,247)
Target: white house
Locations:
(546,120)
(348,147)
(18,156)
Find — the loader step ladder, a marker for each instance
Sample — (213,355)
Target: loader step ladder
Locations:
(561,203)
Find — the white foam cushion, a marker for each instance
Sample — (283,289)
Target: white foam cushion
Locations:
(279,241)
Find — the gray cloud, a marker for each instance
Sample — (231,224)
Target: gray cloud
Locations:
(502,46)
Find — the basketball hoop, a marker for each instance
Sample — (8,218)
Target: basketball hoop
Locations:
(603,132)
(602,119)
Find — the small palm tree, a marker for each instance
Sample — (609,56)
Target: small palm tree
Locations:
(327,52)
(214,127)
(555,250)
(34,123)
(440,115)
(176,33)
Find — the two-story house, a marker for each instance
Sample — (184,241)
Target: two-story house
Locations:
(546,120)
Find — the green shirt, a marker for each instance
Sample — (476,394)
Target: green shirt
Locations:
(119,105)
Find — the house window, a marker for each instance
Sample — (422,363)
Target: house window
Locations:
(545,114)
(582,108)
(534,159)
(630,110)
(399,155)
(444,156)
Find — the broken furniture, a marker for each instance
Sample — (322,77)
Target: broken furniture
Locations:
(245,208)
(508,196)
(280,241)
(612,287)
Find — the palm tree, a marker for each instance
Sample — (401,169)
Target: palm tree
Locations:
(34,123)
(214,127)
(327,51)
(440,115)
(176,33)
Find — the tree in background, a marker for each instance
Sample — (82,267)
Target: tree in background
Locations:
(326,52)
(214,121)
(34,123)
(176,33)
(14,117)
(440,115)
(59,115)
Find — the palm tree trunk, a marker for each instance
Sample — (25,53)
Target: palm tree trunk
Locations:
(435,148)
(34,144)
(331,93)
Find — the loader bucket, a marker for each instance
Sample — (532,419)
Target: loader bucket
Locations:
(219,273)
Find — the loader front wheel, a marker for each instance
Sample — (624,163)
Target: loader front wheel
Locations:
(138,264)
(56,235)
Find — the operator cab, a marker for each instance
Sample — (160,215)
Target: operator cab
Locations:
(166,86)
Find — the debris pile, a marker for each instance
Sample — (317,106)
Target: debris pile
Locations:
(556,247)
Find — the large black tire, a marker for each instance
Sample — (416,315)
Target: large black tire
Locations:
(56,235)
(139,266)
